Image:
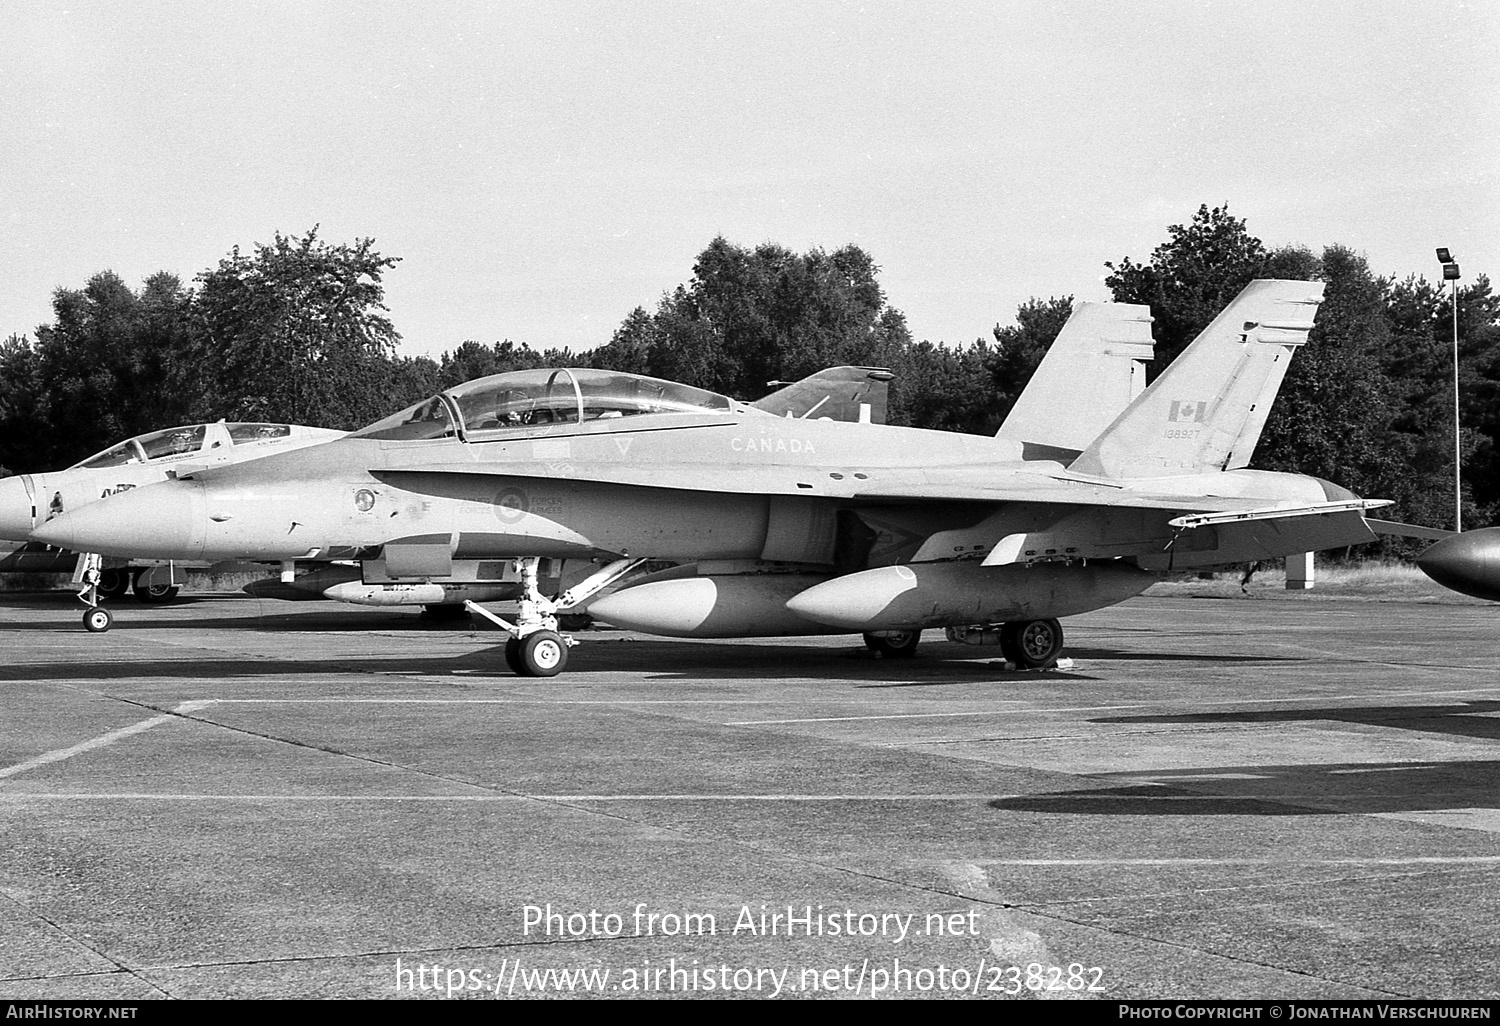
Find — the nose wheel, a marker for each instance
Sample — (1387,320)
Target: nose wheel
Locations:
(97,620)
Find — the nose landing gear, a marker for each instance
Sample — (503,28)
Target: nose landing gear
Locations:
(96,619)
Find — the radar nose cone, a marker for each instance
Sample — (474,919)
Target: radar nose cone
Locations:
(15,510)
(153,522)
(1467,563)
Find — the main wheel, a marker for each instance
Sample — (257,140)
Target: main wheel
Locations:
(542,654)
(1031,644)
(153,593)
(113,583)
(893,644)
(513,655)
(96,620)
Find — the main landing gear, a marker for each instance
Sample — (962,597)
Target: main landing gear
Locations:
(1031,644)
(113,583)
(536,648)
(1028,644)
(149,590)
(893,644)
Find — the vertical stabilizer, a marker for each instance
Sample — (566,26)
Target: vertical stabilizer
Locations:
(1206,411)
(1092,371)
(838,393)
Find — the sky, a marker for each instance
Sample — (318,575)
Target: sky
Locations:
(541,169)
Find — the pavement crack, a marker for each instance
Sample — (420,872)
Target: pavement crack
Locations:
(85,944)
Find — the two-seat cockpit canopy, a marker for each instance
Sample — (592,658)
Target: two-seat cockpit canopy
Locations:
(177,441)
(504,403)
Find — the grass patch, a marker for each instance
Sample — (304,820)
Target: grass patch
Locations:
(1373,582)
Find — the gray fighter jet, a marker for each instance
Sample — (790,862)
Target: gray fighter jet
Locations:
(29,500)
(779,525)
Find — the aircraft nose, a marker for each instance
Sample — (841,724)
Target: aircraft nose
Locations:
(1467,563)
(156,521)
(15,510)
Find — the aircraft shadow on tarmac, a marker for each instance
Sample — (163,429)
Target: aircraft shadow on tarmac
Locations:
(938,664)
(1325,789)
(652,659)
(1460,719)
(1120,655)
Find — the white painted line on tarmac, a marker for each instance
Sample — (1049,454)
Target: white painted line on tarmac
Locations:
(102,740)
(17,797)
(1413,860)
(1272,703)
(496,701)
(1474,818)
(920,716)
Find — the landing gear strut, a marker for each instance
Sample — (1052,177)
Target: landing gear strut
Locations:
(96,619)
(536,648)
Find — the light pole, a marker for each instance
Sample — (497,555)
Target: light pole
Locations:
(1450,273)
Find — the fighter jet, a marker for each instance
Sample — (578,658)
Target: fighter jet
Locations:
(1097,362)
(778,525)
(29,500)
(1096,365)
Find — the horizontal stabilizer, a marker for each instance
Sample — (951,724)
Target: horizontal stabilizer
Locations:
(1399,530)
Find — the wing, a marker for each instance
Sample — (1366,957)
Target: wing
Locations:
(870,485)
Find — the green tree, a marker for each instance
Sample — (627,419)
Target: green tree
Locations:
(1191,277)
(1420,358)
(472,360)
(947,388)
(21,405)
(1335,416)
(297,332)
(111,365)
(752,316)
(1479,394)
(631,346)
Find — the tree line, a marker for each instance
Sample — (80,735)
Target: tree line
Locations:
(298,331)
